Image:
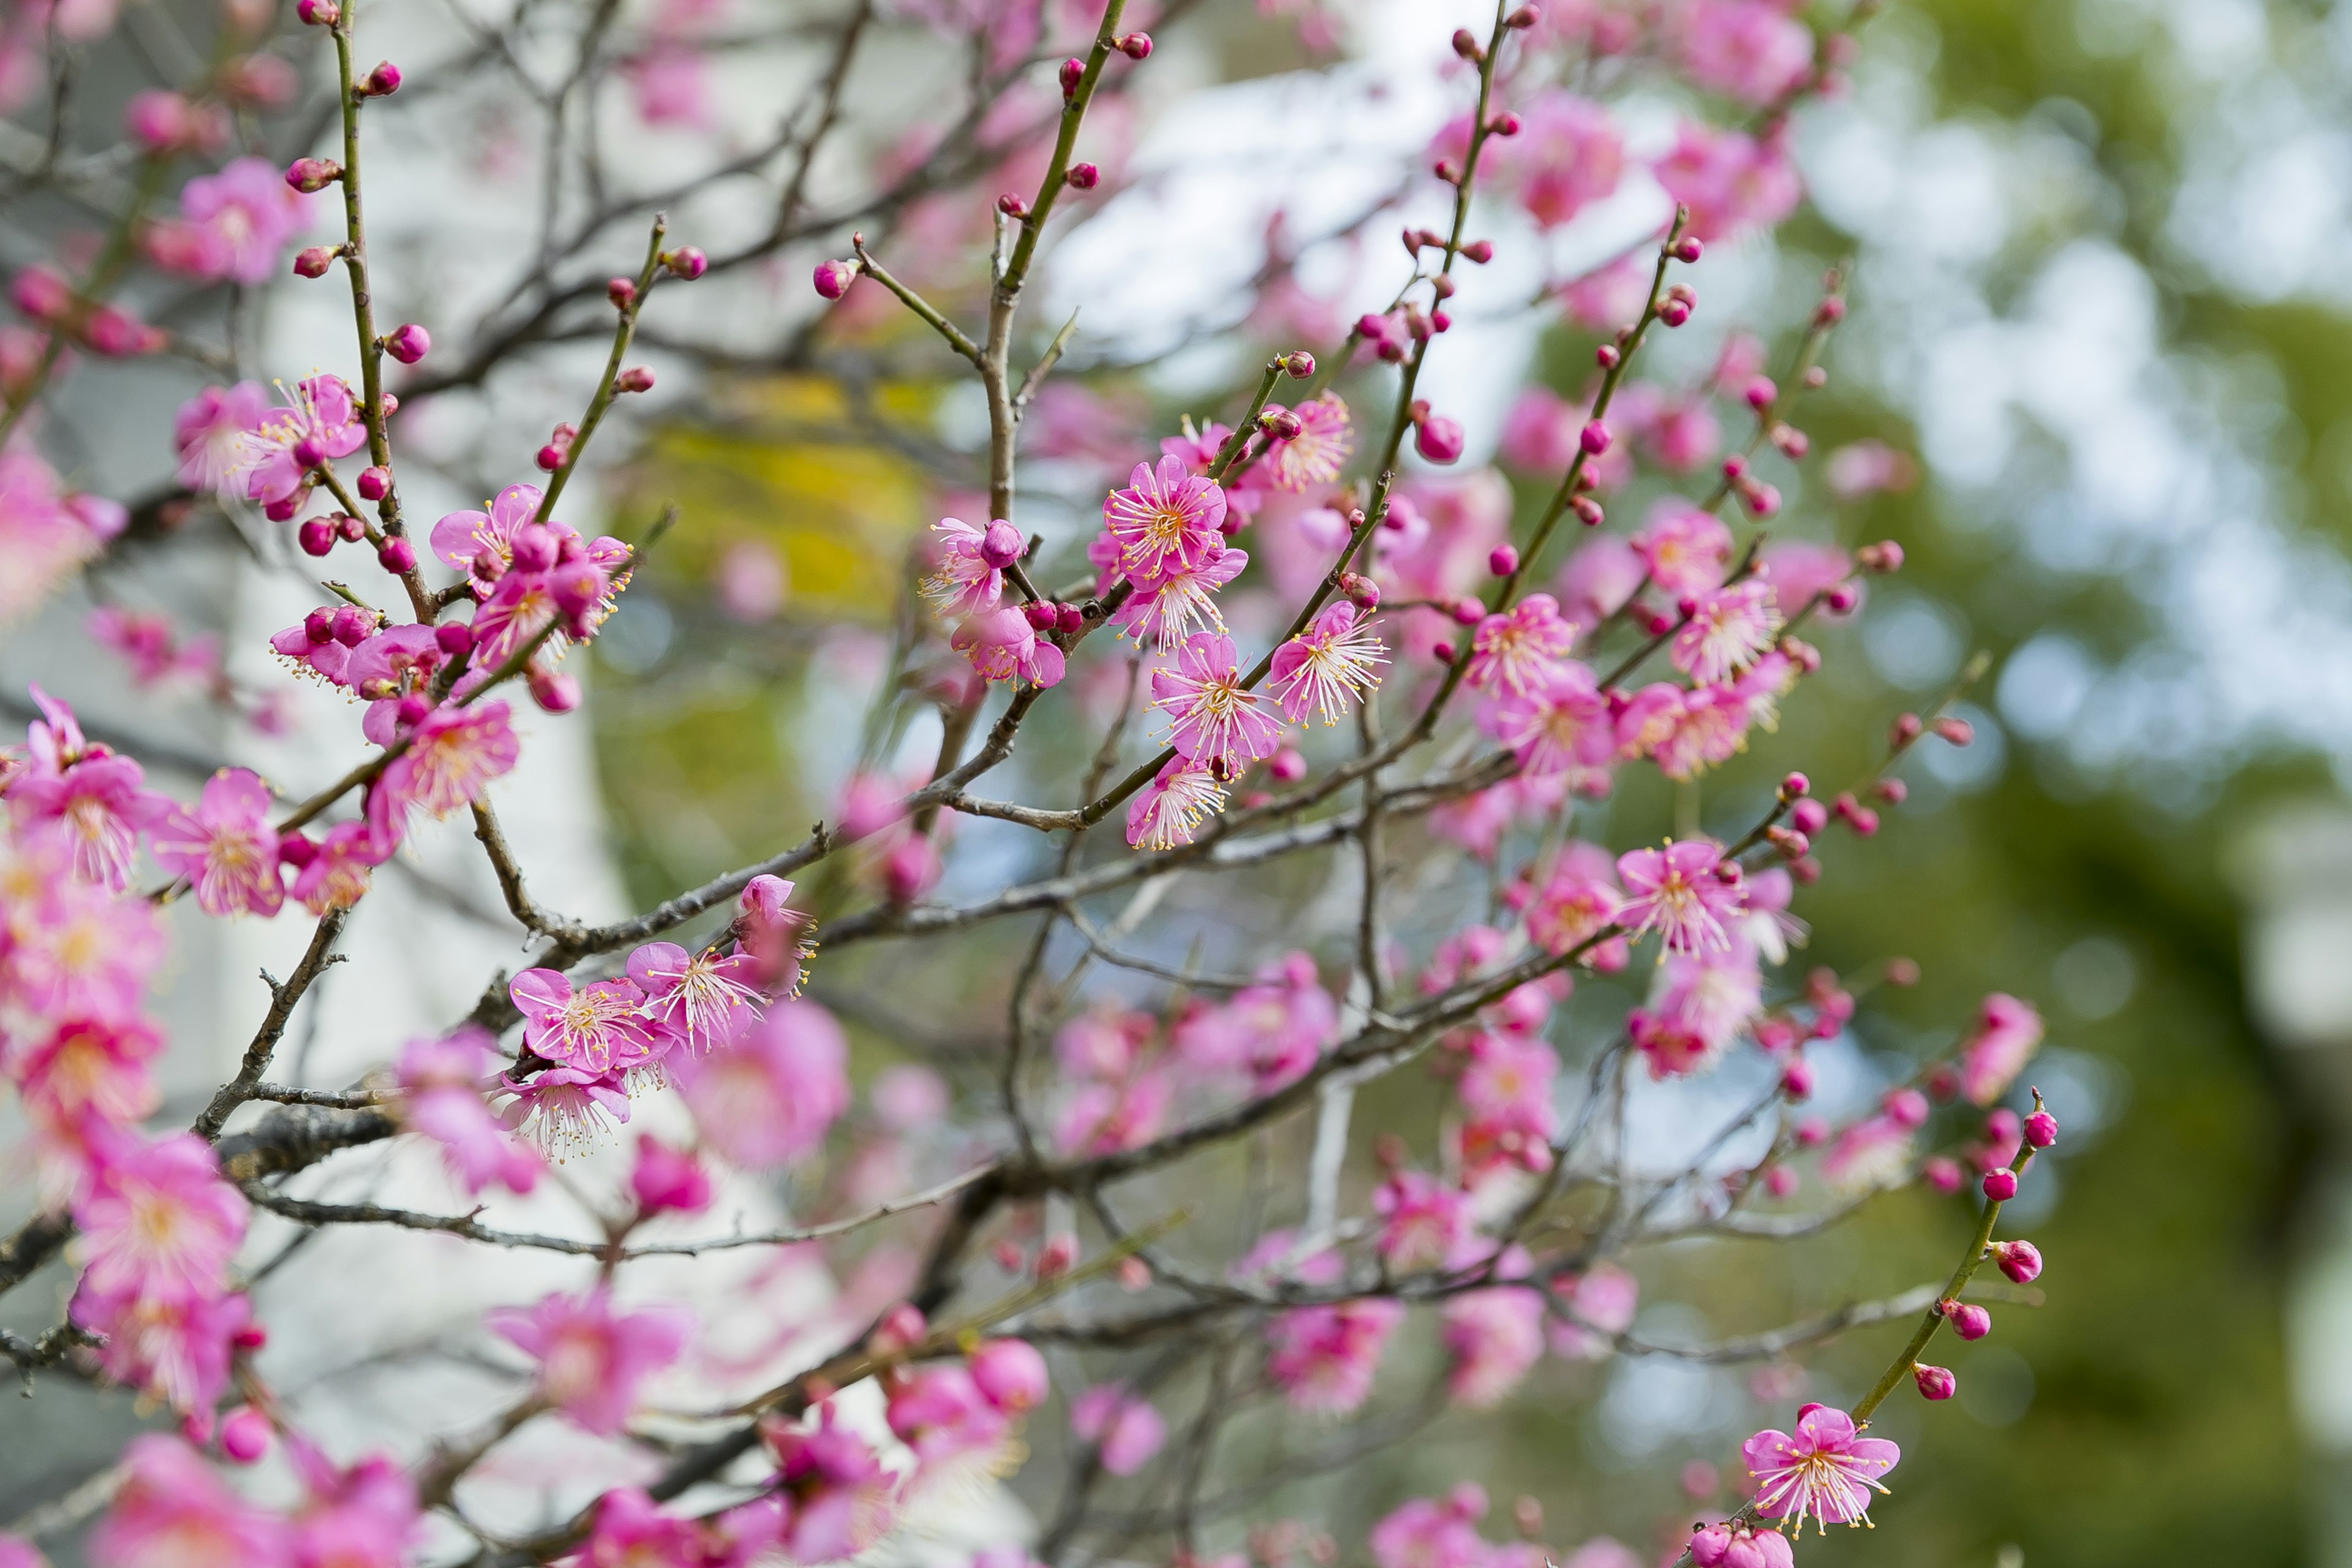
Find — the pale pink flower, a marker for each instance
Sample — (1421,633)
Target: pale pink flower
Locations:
(1274,1030)
(701,998)
(149,646)
(1576,901)
(1168,811)
(95,810)
(1539,433)
(1682,892)
(1708,998)
(440,1099)
(207,429)
(1213,720)
(839,1495)
(1873,1152)
(1104,1117)
(174,1511)
(1727,632)
(631,1531)
(235,224)
(1802,571)
(1752,50)
(1422,1220)
(598,1027)
(1729,180)
(1105,1043)
(1701,728)
(1607,1551)
(672,86)
(1324,1359)
(770,1094)
(1125,1429)
(590,1358)
(1004,645)
(1316,455)
(317,424)
(562,1109)
(225,848)
(1599,1305)
(1600,578)
(1165,518)
(338,875)
(1825,1471)
(158,1221)
(92,1068)
(957,1433)
(1181,603)
(1515,651)
(45,532)
(1325,667)
(1568,155)
(1558,725)
(78,948)
(962,583)
(776,938)
(177,1349)
(1493,1337)
(1686,551)
(1864,467)
(1996,1050)
(453,754)
(1428,1533)
(1506,1085)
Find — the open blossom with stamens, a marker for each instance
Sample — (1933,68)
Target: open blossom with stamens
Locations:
(1323,669)
(1181,602)
(776,938)
(598,1027)
(95,810)
(1213,717)
(1515,649)
(208,429)
(177,1349)
(85,1067)
(1681,892)
(1562,722)
(1576,901)
(1996,1050)
(174,1511)
(316,424)
(1727,632)
(1492,1338)
(453,754)
(1324,1358)
(159,1221)
(590,1358)
(963,583)
(1315,456)
(338,875)
(482,544)
(1824,1471)
(1169,810)
(1422,1220)
(564,1109)
(438,1099)
(1004,645)
(76,948)
(699,997)
(1165,519)
(1687,550)
(225,848)
(1701,727)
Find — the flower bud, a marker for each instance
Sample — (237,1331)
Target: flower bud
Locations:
(1467,45)
(1841,599)
(117,334)
(310,174)
(1588,510)
(1135,46)
(1830,311)
(1444,170)
(317,537)
(1299,364)
(554,692)
(1941,1173)
(1481,251)
(1797,1078)
(902,1328)
(2021,1260)
(1359,590)
(1069,619)
(382,83)
(1439,439)
(686,262)
(1523,18)
(1885,557)
(1811,1132)
(296,850)
(1073,72)
(1959,731)
(1281,423)
(245,1434)
(1906,1108)
(1442,652)
(1054,1258)
(1011,204)
(1502,560)
(1287,766)
(1001,545)
(636,378)
(314,261)
(1808,816)
(1504,124)
(1935,1382)
(158,121)
(1593,439)
(534,547)
(1084,176)
(833,279)
(550,457)
(318,12)
(351,530)
(412,709)
(1468,612)
(319,626)
(1791,844)
(1041,615)
(397,556)
(1780,1182)
(1689,248)
(1759,393)
(1010,1373)
(351,625)
(2000,1186)
(2041,1130)
(1968,1322)
(455,638)
(1895,791)
(408,343)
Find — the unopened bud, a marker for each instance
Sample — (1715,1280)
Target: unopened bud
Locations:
(1904,730)
(318,12)
(351,625)
(1588,510)
(348,529)
(901,1330)
(1084,176)
(550,457)
(1439,439)
(382,83)
(554,692)
(1791,844)
(1502,560)
(1504,124)
(1895,791)
(1607,356)
(1797,1078)
(1885,557)
(1935,1382)
(1523,18)
(1968,1321)
(1073,71)
(1593,439)
(2041,1130)
(622,291)
(636,378)
(833,279)
(1481,251)
(1055,1257)
(455,638)
(2000,1186)
(317,537)
(1011,205)
(397,556)
(1959,731)
(1761,392)
(1282,425)
(1689,248)
(1299,364)
(2021,1260)
(1135,46)
(309,174)
(314,261)
(1840,598)
(686,262)
(1359,590)
(1830,311)
(1443,652)
(408,343)
(1466,46)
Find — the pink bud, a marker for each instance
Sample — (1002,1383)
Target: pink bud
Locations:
(1467,45)
(318,12)
(1001,545)
(2000,1186)
(1797,1078)
(1073,72)
(2041,1130)
(1588,510)
(1941,1174)
(374,482)
(550,457)
(1135,46)
(245,1434)
(1011,204)
(636,378)
(1070,620)
(319,626)
(1968,1322)
(1502,560)
(1830,311)
(1762,500)
(1054,1258)
(397,556)
(296,850)
(2021,1260)
(1504,124)
(1895,791)
(1906,1108)
(1468,612)
(1011,1374)
(408,343)
(117,334)
(1796,786)
(412,709)
(455,638)
(1299,365)
(40,293)
(1959,731)
(1287,766)
(352,626)
(1281,423)
(622,291)
(1689,248)
(902,1328)
(314,261)
(1523,18)
(1481,251)
(686,262)
(1883,557)
(578,586)
(1442,652)
(158,121)
(1439,439)
(1808,816)
(1041,615)
(1780,1182)
(1761,392)
(1935,1382)
(317,537)
(382,83)
(309,174)
(1359,590)
(534,547)
(349,528)
(1841,599)
(1607,357)
(554,692)
(1593,439)
(1084,176)
(833,279)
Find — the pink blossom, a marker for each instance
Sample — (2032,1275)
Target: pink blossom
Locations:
(226,847)
(1478,821)
(598,1027)
(338,875)
(1422,1220)
(562,1109)
(953,1428)
(1125,1429)
(1825,1471)
(206,430)
(1004,645)
(319,423)
(839,1494)
(701,998)
(1515,651)
(1493,1337)
(1864,467)
(1802,571)
(1104,1117)
(235,224)
(1558,725)
(1168,811)
(1699,1005)
(1324,1358)
(84,1067)
(482,544)
(962,583)
(665,1180)
(1104,1043)
(770,1094)
(1686,551)
(1752,50)
(1011,1375)
(1576,901)
(1599,1305)
(590,1358)
(96,810)
(1727,632)
(1873,1152)
(1568,156)
(364,1517)
(45,532)
(453,754)
(1166,517)
(1429,1533)
(1729,180)
(1181,603)
(1607,296)
(151,646)
(438,1099)
(1996,1050)
(1507,1086)
(1326,667)
(78,948)
(1682,892)
(1213,720)
(1606,1552)
(631,1531)
(1275,1030)
(773,935)
(1701,729)
(1317,454)
(1601,579)
(1540,432)
(177,1349)
(672,86)
(1681,435)
(159,1222)
(1739,1546)
(174,1511)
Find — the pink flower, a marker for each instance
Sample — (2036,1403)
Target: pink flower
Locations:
(702,998)
(1560,725)
(1607,296)
(1700,1004)
(562,1109)
(964,582)
(1316,455)
(1004,645)
(78,949)
(1478,822)
(590,1358)
(438,1099)
(1324,1359)
(1576,901)
(1686,551)
(631,1531)
(453,754)
(1494,1337)
(953,1428)
(91,1068)
(1600,578)
(207,431)
(665,1180)
(1103,1044)
(45,532)
(1738,1546)
(226,847)
(1729,631)
(1540,432)
(1752,50)
(1698,729)
(1126,1430)
(239,220)
(776,938)
(1864,467)
(1569,154)
(1275,1030)
(1600,1304)
(1011,1375)
(1515,651)
(338,875)
(1506,1086)
(482,544)
(599,1027)
(2007,1032)
(319,423)
(365,1517)
(1826,1471)
(159,1222)
(771,1093)
(1181,602)
(1166,517)
(176,1349)
(149,645)
(1682,892)
(96,810)
(1428,1533)
(1213,720)
(1729,180)
(1422,1220)
(174,1511)
(1323,669)
(1169,810)
(1104,1117)
(839,1494)
(1873,1152)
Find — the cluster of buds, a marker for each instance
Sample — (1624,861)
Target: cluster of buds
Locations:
(1436,438)
(1676,306)
(558,446)
(317,535)
(1760,499)
(41,295)
(1047,617)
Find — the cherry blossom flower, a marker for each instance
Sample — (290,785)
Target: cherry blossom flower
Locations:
(1597,1305)
(159,1222)
(590,1358)
(1726,631)
(317,424)
(86,1066)
(482,544)
(225,848)
(1104,1117)
(1324,1358)
(1560,725)
(233,224)
(699,997)
(1011,1375)
(1213,720)
(1428,1533)
(46,532)
(564,1109)
(148,643)
(337,876)
(1601,577)
(96,810)
(177,1349)
(1324,667)
(174,1511)
(1682,892)
(776,938)
(1873,1152)
(956,1432)
(206,432)
(665,1180)
(1576,901)
(1168,811)
(1181,603)
(1538,434)
(1700,729)
(1317,454)
(1507,1086)
(966,581)
(598,1027)
(364,1517)
(1422,1220)
(437,1082)
(1729,180)
(770,1095)
(1165,518)
(1996,1050)
(1274,1030)
(453,754)
(77,949)
(1825,1471)
(1514,651)
(1748,49)
(1568,154)
(1004,645)
(1125,1429)
(1864,467)
(1493,1337)
(1686,551)
(1698,1006)
(840,1497)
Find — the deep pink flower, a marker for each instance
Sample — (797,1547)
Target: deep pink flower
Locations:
(364,1517)
(1004,645)
(1600,1304)
(176,1349)
(1317,454)
(1125,1429)
(1729,180)
(1166,517)
(1728,631)
(701,998)
(590,1358)
(1752,50)
(1996,1050)
(1686,551)
(840,1496)
(665,1180)
(1560,725)
(1682,892)
(1506,1086)
(1011,1375)
(1428,1533)
(338,874)
(96,810)
(770,1095)
(75,948)
(1697,730)
(158,1221)
(1104,1117)
(317,425)
(954,1430)
(1738,1546)
(776,938)
(1699,1005)
(240,220)
(1422,1220)
(482,544)
(631,1531)
(598,1027)
(1179,602)
(1324,1359)
(1568,155)
(1825,1471)
(86,1067)
(329,661)
(1212,718)
(151,646)
(439,1097)
(174,1511)
(963,583)
(1576,900)
(1169,810)
(1325,667)
(206,430)
(564,1109)
(1492,1337)
(225,848)
(1275,1030)
(453,754)
(1515,650)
